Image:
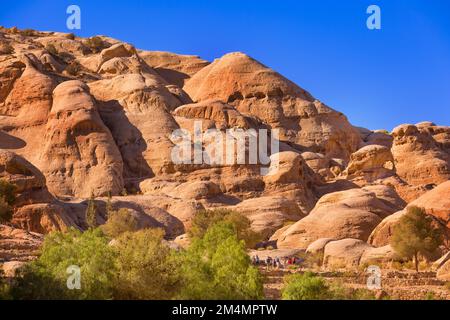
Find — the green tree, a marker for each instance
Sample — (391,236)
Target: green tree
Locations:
(4,287)
(109,206)
(145,267)
(120,222)
(7,199)
(5,211)
(305,287)
(7,191)
(46,277)
(217,266)
(204,219)
(91,212)
(415,234)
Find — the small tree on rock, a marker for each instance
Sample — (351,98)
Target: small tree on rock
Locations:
(415,235)
(91,212)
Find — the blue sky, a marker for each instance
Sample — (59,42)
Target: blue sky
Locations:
(378,78)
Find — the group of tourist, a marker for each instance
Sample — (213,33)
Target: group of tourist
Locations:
(276,263)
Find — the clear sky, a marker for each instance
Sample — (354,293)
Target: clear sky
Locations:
(378,78)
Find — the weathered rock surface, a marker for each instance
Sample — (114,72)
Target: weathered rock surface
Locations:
(258,91)
(420,160)
(18,245)
(347,214)
(435,202)
(79,157)
(96,115)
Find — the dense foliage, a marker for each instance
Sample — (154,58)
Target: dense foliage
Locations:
(116,263)
(415,234)
(204,219)
(46,278)
(7,198)
(217,266)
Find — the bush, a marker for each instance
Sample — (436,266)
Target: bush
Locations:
(415,234)
(5,211)
(217,266)
(120,222)
(305,287)
(7,198)
(145,267)
(73,68)
(4,287)
(70,36)
(28,32)
(46,277)
(6,48)
(91,213)
(8,191)
(204,219)
(96,44)
(51,49)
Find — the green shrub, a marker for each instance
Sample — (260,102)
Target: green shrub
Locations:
(6,48)
(46,277)
(205,219)
(217,266)
(305,287)
(415,234)
(8,191)
(91,213)
(73,68)
(28,32)
(447,285)
(120,222)
(96,44)
(5,211)
(145,267)
(51,49)
(4,287)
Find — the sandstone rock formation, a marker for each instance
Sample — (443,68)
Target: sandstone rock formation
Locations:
(259,91)
(347,214)
(79,156)
(435,202)
(97,116)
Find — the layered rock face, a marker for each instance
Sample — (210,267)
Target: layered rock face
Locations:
(347,214)
(79,156)
(80,117)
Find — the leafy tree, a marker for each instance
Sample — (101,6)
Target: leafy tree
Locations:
(7,191)
(4,287)
(415,234)
(120,222)
(91,212)
(145,267)
(46,277)
(7,198)
(109,206)
(305,287)
(5,211)
(217,266)
(204,219)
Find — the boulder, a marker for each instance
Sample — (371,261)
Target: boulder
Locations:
(79,157)
(435,202)
(352,213)
(345,253)
(267,214)
(369,164)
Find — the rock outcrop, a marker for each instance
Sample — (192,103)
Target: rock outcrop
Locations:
(347,214)
(435,202)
